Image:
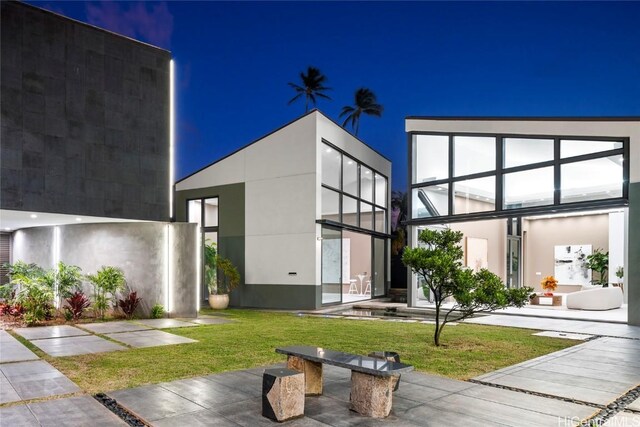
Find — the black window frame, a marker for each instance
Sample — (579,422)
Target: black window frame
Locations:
(499,172)
(358,198)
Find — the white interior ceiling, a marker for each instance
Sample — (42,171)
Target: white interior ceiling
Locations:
(14,220)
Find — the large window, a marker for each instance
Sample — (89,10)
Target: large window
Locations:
(352,193)
(469,174)
(204,212)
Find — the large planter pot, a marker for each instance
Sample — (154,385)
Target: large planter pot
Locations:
(219,302)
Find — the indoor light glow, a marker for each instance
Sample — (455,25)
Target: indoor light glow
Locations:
(34,216)
(172,119)
(78,219)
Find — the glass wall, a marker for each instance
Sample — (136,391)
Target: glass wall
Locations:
(204,212)
(468,174)
(352,193)
(331,265)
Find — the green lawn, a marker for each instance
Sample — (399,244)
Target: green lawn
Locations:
(468,350)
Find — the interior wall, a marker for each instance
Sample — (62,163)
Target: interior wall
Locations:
(495,231)
(542,235)
(360,255)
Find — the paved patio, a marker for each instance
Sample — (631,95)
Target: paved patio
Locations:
(43,332)
(75,346)
(234,398)
(112,327)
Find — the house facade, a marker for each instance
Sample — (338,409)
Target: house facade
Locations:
(533,196)
(302,212)
(86,156)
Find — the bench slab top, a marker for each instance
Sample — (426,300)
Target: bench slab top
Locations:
(364,364)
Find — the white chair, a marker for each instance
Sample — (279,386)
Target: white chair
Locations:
(353,288)
(595,298)
(367,290)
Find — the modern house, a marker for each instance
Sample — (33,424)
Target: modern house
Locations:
(86,155)
(533,196)
(303,212)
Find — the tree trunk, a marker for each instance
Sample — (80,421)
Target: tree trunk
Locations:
(436,335)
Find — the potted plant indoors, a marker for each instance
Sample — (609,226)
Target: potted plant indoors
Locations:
(598,262)
(221,277)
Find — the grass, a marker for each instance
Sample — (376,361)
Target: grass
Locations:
(468,350)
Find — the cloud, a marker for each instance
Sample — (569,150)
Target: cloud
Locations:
(148,22)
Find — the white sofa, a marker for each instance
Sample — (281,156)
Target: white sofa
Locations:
(595,298)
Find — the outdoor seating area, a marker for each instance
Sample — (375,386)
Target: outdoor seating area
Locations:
(373,379)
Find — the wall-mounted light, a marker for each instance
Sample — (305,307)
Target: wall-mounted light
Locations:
(165,257)
(172,118)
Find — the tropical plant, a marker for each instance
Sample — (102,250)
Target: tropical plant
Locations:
(76,304)
(129,304)
(365,102)
(598,262)
(35,297)
(311,86)
(228,277)
(106,283)
(68,279)
(210,266)
(620,272)
(157,311)
(439,266)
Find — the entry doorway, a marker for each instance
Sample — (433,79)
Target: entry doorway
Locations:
(353,266)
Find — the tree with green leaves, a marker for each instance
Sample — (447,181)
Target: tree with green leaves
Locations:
(438,264)
(312,86)
(365,102)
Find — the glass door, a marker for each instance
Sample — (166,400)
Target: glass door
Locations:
(513,261)
(331,265)
(378,266)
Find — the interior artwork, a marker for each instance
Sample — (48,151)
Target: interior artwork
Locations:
(570,264)
(477,253)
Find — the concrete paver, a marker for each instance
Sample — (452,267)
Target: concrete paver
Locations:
(74,346)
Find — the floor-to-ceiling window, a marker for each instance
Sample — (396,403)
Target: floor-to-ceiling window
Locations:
(204,212)
(354,214)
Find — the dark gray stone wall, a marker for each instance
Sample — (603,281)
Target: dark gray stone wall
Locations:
(85,119)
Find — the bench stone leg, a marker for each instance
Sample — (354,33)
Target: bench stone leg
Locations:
(282,394)
(371,396)
(312,374)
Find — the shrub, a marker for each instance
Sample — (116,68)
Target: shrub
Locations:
(68,279)
(228,277)
(106,283)
(35,297)
(129,304)
(77,303)
(157,311)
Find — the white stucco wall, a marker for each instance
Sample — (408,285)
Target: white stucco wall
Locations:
(585,128)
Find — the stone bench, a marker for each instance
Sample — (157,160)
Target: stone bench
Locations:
(372,379)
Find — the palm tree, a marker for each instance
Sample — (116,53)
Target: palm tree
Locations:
(312,86)
(365,102)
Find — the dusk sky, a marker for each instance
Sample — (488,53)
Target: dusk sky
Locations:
(421,58)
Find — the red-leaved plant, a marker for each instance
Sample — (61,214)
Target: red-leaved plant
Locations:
(77,303)
(129,304)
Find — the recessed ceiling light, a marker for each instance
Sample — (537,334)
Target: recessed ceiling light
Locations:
(367,172)
(78,219)
(329,150)
(34,216)
(350,162)
(7,229)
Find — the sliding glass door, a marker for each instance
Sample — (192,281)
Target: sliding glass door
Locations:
(331,265)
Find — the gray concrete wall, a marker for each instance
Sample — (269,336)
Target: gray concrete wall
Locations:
(85,119)
(632,269)
(158,259)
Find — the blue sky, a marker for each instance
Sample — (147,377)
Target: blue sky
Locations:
(421,58)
